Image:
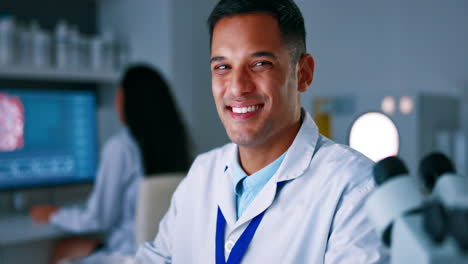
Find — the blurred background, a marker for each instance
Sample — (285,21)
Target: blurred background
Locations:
(404,62)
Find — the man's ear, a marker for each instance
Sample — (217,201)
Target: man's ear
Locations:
(306,72)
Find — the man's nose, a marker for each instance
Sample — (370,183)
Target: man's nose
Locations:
(241,83)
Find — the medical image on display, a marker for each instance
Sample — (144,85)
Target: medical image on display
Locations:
(47,137)
(11,123)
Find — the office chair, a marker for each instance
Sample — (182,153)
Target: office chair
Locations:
(153,202)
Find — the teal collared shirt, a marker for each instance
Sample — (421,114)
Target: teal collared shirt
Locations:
(247,188)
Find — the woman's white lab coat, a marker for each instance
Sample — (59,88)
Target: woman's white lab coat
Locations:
(111,206)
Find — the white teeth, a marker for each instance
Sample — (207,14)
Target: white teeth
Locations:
(243,110)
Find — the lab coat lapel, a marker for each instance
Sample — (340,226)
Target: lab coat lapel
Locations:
(263,200)
(295,163)
(226,196)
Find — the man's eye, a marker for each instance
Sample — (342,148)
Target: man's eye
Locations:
(221,67)
(262,65)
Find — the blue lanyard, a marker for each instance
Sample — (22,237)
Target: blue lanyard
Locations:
(239,249)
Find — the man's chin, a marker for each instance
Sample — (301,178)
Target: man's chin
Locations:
(244,140)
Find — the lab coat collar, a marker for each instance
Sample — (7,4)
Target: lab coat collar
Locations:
(294,165)
(300,152)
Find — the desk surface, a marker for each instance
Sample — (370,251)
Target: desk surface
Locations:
(19,228)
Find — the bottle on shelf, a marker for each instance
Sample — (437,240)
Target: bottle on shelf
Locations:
(84,52)
(73,51)
(96,52)
(108,50)
(24,41)
(121,55)
(61,45)
(41,45)
(7,27)
(64,47)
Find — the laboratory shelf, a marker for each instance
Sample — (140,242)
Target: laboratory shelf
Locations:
(53,74)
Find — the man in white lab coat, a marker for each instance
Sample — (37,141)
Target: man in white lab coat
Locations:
(281,192)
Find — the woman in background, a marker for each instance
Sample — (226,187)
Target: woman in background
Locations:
(153,141)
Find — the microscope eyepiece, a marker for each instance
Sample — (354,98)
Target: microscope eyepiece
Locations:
(432,167)
(389,168)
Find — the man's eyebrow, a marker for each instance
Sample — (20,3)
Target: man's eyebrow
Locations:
(255,54)
(217,58)
(263,54)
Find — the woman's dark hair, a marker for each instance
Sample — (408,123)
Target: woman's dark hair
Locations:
(153,120)
(286,12)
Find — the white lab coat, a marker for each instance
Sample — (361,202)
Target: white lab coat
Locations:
(317,217)
(111,206)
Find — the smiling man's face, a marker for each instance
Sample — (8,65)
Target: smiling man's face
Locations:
(255,85)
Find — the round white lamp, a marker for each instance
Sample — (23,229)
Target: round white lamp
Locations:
(374,135)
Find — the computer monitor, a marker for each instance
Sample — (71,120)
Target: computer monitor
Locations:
(47,137)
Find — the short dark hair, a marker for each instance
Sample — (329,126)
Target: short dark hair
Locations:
(286,12)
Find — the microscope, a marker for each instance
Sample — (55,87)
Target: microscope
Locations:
(425,221)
